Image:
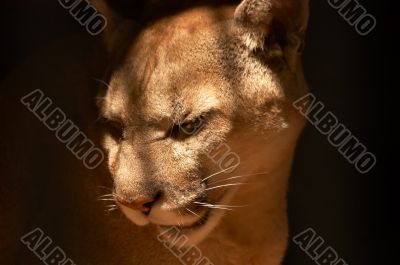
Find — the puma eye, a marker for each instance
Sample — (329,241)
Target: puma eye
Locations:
(114,128)
(188,128)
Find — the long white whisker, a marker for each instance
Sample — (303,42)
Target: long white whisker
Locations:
(110,194)
(225,185)
(220,205)
(101,81)
(219,172)
(239,176)
(110,199)
(111,209)
(214,207)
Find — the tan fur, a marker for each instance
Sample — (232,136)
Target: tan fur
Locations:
(203,60)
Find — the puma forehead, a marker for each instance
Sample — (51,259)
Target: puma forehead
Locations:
(195,56)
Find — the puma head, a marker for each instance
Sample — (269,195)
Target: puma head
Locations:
(187,85)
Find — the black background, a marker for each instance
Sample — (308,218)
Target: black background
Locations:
(349,73)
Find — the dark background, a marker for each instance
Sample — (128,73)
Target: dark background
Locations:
(347,72)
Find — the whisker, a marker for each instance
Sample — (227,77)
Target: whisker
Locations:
(106,196)
(101,81)
(180,224)
(106,199)
(106,188)
(111,207)
(215,207)
(220,205)
(239,176)
(193,213)
(219,172)
(226,185)
(110,199)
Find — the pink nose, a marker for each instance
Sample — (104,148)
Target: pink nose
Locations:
(142,204)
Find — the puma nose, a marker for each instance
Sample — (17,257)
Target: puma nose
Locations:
(142,204)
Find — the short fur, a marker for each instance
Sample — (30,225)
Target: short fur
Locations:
(240,67)
(237,65)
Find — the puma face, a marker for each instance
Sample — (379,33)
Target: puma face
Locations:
(189,86)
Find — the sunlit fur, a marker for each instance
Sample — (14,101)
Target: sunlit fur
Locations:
(226,66)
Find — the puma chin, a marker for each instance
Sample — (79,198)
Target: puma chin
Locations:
(198,118)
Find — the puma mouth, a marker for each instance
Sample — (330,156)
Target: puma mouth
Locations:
(202,221)
(197,231)
(206,223)
(194,226)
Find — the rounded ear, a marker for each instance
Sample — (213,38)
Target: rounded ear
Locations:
(112,20)
(117,12)
(276,27)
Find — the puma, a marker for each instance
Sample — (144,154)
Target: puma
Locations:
(195,82)
(235,70)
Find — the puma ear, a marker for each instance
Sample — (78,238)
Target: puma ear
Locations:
(274,26)
(117,13)
(254,18)
(111,17)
